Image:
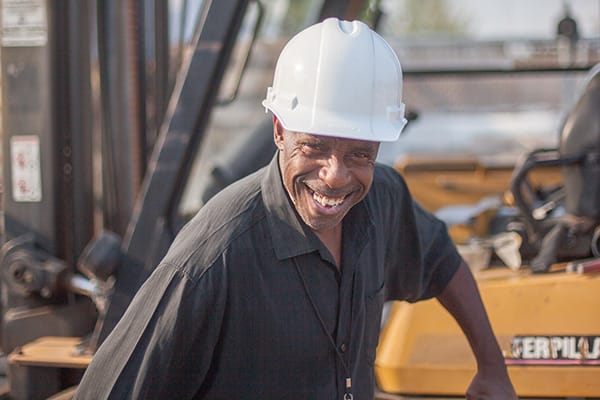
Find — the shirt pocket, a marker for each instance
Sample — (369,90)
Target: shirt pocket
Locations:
(373,309)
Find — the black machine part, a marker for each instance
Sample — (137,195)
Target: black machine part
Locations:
(580,136)
(41,295)
(101,257)
(30,270)
(569,235)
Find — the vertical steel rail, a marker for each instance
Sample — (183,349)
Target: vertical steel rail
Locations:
(71,116)
(119,82)
(149,233)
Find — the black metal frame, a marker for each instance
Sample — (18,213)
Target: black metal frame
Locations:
(48,99)
(150,230)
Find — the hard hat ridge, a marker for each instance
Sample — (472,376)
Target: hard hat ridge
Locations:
(338,78)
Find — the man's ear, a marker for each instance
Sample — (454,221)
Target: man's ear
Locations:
(277,133)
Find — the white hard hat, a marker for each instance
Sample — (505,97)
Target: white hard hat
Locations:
(338,78)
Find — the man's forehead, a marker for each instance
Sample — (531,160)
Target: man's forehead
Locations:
(326,138)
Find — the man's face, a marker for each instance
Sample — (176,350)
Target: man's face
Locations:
(324,176)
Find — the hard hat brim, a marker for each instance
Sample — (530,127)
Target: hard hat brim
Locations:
(338,125)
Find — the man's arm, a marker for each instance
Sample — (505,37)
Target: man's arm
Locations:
(162,346)
(462,300)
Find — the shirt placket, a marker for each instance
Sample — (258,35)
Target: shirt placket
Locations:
(355,239)
(344,332)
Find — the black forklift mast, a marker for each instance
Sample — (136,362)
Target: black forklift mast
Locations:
(88,88)
(50,88)
(150,230)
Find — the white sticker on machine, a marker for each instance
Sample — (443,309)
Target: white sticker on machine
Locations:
(24,23)
(26,168)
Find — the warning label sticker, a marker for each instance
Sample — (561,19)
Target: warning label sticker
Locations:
(26,168)
(24,23)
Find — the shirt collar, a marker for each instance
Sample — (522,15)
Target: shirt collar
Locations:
(289,234)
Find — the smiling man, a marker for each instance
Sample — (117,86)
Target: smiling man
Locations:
(275,289)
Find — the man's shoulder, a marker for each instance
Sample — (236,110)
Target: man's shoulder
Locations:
(229,215)
(389,197)
(387,180)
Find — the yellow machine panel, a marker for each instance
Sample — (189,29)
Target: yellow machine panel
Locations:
(442,182)
(547,326)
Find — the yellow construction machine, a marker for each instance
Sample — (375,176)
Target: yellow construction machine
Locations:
(536,256)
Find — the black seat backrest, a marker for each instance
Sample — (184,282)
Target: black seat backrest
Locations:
(580,136)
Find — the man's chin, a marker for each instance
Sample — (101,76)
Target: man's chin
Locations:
(321,225)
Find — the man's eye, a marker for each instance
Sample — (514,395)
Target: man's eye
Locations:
(362,156)
(312,147)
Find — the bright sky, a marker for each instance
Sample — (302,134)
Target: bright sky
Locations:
(492,19)
(499,19)
(529,18)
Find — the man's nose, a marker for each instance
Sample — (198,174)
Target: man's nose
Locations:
(334,172)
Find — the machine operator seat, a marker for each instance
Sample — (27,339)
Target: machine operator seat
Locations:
(569,228)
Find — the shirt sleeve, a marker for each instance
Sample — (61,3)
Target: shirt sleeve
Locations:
(439,254)
(163,345)
(420,255)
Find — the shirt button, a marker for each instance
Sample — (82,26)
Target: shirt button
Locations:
(343,347)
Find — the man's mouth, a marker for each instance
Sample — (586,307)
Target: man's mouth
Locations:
(327,201)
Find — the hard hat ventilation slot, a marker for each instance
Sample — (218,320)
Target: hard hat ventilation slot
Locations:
(348,27)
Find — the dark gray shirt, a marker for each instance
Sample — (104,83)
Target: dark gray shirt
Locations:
(226,314)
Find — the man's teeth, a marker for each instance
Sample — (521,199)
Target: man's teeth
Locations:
(328,201)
